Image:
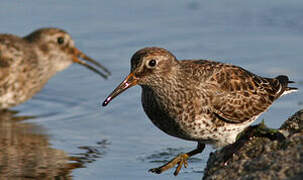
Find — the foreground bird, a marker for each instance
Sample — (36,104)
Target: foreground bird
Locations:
(27,63)
(199,100)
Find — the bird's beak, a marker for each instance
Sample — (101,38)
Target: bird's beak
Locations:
(77,54)
(129,81)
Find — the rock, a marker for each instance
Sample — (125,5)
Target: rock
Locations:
(264,155)
(294,123)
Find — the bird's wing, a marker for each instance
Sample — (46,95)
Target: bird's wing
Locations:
(6,60)
(11,49)
(238,95)
(11,55)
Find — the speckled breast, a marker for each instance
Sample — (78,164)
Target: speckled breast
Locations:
(163,117)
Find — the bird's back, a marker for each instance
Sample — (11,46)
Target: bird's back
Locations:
(17,60)
(236,95)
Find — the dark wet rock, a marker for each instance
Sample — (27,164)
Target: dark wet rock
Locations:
(268,157)
(294,124)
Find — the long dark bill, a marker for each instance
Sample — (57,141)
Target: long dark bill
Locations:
(128,82)
(78,54)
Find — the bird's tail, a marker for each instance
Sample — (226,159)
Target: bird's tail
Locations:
(285,89)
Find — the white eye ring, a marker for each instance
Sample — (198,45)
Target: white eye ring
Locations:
(151,63)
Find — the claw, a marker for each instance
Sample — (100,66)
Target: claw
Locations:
(155,170)
(178,168)
(185,164)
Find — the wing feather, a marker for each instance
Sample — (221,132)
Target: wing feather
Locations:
(238,95)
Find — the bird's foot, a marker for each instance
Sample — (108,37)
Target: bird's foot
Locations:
(179,160)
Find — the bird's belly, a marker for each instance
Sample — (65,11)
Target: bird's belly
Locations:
(190,122)
(203,128)
(8,100)
(14,94)
(165,122)
(171,127)
(215,132)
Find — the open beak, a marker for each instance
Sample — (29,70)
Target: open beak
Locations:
(78,54)
(128,82)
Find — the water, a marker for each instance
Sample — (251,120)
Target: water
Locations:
(119,142)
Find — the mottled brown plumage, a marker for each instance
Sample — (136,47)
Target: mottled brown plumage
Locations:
(199,100)
(27,63)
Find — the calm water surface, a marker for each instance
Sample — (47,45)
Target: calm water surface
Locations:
(119,141)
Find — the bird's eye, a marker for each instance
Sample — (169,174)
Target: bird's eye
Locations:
(152,63)
(60,40)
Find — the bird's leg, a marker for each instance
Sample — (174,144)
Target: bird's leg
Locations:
(179,160)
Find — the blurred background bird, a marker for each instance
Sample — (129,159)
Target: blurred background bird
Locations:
(27,63)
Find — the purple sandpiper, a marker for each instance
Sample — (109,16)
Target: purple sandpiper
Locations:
(199,100)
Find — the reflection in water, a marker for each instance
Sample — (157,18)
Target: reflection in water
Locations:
(25,152)
(91,153)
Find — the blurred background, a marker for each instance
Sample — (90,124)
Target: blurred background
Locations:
(64,132)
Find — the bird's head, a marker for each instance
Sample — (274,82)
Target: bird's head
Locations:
(59,48)
(149,67)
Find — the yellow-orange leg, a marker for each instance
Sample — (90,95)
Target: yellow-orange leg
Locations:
(179,160)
